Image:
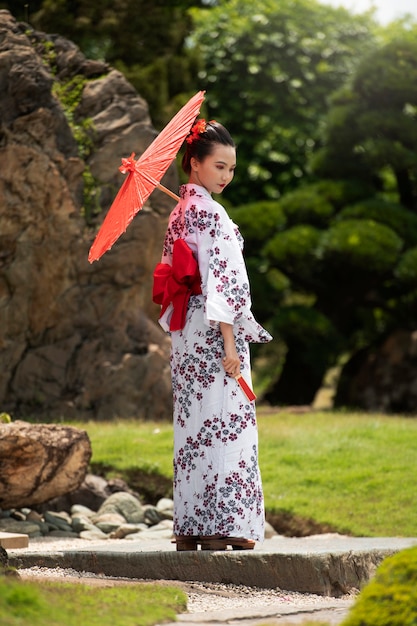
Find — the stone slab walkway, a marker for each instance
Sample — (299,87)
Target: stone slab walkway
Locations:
(327,565)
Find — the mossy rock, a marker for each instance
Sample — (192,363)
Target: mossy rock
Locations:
(390,599)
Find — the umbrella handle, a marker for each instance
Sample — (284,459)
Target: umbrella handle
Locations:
(167,191)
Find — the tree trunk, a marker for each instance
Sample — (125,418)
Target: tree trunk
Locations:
(405,189)
(299,381)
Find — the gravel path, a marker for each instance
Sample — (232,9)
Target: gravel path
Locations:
(202,597)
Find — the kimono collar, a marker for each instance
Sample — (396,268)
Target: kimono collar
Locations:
(191,189)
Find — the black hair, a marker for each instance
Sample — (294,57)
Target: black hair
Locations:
(202,144)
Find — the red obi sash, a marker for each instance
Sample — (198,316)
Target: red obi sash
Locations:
(177,283)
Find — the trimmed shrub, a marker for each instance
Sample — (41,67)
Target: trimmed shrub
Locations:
(293,251)
(361,245)
(307,205)
(259,220)
(406,270)
(390,599)
(400,220)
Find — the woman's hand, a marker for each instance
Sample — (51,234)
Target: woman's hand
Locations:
(231,365)
(230,361)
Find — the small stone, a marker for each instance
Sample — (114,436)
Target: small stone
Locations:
(93,534)
(79,509)
(163,530)
(126,505)
(165,524)
(109,522)
(59,520)
(136,536)
(113,518)
(34,516)
(149,535)
(43,527)
(51,527)
(26,528)
(19,516)
(63,533)
(80,523)
(127,529)
(60,515)
(151,515)
(165,504)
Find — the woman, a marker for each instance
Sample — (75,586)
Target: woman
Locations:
(218,500)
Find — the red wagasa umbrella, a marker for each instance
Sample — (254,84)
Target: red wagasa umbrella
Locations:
(144,175)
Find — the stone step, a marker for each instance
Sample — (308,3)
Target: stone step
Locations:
(13,541)
(327,565)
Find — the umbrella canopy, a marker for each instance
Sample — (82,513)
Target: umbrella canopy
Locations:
(143,176)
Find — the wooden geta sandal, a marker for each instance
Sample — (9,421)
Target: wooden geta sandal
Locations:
(222,543)
(185,543)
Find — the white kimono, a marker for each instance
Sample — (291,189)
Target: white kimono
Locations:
(217,483)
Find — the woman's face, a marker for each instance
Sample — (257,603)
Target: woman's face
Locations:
(216,170)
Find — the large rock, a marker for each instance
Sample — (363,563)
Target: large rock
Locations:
(40,462)
(75,339)
(382,378)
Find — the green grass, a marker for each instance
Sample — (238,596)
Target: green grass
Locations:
(353,472)
(64,604)
(127,443)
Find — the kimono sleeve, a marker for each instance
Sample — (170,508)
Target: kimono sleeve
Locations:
(224,278)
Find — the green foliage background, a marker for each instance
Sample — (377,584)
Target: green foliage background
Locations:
(269,70)
(322,104)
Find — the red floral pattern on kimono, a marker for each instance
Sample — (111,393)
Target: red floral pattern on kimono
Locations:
(217,483)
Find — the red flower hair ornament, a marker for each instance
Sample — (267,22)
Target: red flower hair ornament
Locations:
(198,128)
